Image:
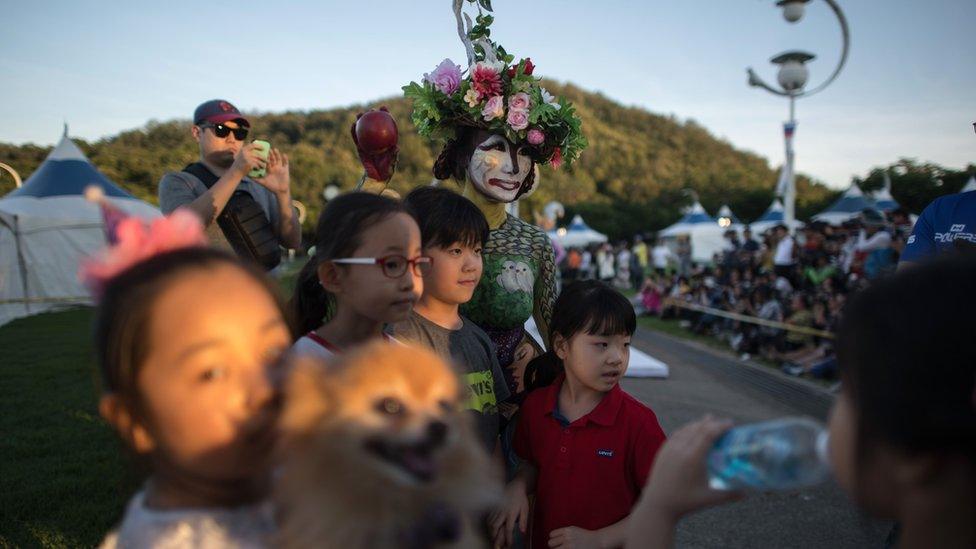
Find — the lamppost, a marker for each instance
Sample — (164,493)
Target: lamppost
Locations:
(792,78)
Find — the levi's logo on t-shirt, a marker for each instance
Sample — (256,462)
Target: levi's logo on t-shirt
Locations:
(605,453)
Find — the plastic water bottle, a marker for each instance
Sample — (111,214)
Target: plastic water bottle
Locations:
(782,454)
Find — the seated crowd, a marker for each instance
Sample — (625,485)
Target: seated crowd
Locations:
(804,282)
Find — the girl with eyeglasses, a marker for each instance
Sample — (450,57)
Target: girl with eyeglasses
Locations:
(367,272)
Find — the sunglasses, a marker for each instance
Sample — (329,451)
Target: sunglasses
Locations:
(393,265)
(222,131)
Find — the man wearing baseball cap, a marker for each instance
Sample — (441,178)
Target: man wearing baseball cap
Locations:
(226,157)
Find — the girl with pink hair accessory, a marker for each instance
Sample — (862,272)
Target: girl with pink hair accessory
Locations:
(132,240)
(190,344)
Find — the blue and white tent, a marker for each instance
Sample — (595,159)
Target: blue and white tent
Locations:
(694,215)
(884,201)
(576,234)
(725,212)
(882,197)
(848,206)
(770,218)
(47,226)
(703,230)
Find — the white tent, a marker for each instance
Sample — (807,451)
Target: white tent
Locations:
(970,185)
(577,234)
(46,226)
(728,221)
(703,230)
(725,212)
(848,206)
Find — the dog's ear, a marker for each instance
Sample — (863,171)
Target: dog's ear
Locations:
(308,397)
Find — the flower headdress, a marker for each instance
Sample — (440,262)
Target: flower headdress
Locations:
(133,240)
(495,94)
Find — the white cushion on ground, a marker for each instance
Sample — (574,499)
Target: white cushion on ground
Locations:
(641,363)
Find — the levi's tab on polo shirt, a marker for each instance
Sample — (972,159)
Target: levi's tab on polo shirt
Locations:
(591,471)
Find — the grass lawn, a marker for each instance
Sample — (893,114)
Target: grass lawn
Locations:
(671,327)
(65,479)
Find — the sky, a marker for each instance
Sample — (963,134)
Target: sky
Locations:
(908,89)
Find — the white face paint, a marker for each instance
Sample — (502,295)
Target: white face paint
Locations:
(492,171)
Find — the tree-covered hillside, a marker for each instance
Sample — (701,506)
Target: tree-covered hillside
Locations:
(631,179)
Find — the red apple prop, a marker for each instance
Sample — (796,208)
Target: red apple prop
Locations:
(376,132)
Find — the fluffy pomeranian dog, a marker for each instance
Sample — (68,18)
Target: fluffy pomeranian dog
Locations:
(376,452)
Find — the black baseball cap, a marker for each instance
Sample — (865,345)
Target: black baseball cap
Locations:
(218,111)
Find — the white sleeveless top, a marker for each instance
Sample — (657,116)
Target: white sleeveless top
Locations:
(315,346)
(245,527)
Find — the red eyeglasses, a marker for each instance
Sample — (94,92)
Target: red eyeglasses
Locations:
(393,265)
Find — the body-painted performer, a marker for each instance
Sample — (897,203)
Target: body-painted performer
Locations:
(499,124)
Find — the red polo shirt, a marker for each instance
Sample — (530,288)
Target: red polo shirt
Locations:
(591,471)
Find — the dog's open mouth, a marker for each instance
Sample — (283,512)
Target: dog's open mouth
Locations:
(415,459)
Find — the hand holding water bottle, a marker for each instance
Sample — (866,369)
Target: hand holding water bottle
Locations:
(679,481)
(678,485)
(705,463)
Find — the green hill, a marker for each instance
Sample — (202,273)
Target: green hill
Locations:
(629,180)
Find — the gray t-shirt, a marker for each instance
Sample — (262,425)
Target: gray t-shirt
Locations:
(473,353)
(180,188)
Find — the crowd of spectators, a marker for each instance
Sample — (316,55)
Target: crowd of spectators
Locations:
(801,279)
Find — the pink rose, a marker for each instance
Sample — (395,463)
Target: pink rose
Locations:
(536,137)
(519,102)
(446,77)
(518,120)
(494,108)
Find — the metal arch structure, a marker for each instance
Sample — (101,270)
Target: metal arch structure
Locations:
(13,173)
(756,81)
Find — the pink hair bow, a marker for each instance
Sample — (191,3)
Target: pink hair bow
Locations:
(133,240)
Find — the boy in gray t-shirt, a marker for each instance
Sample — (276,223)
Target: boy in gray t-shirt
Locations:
(453,231)
(473,353)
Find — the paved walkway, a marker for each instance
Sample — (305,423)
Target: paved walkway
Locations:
(704,380)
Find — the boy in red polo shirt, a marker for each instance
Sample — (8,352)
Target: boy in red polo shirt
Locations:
(586,445)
